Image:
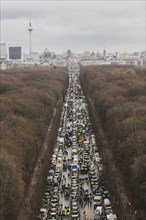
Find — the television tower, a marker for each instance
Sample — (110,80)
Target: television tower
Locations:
(30,30)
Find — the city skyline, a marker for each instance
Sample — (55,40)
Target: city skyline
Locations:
(76,25)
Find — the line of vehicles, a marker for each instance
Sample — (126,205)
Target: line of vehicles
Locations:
(75,187)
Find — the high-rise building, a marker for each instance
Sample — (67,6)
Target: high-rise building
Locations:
(3,51)
(14,53)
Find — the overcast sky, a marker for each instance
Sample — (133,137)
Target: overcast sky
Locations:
(117,25)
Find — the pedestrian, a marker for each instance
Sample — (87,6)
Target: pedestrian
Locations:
(81,203)
(86,179)
(85,215)
(90,216)
(90,200)
(63,186)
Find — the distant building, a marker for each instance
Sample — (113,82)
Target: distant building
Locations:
(53,55)
(86,54)
(116,55)
(104,54)
(3,51)
(97,54)
(35,55)
(92,54)
(69,53)
(136,54)
(46,54)
(14,53)
(143,54)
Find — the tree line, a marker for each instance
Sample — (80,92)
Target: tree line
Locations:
(119,97)
(28,98)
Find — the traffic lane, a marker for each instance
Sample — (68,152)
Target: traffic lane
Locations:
(87,206)
(64,201)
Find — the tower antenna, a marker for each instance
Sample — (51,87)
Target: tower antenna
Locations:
(30,29)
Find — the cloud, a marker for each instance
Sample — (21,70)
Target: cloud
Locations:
(75,23)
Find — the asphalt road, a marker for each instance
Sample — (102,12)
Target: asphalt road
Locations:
(76,182)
